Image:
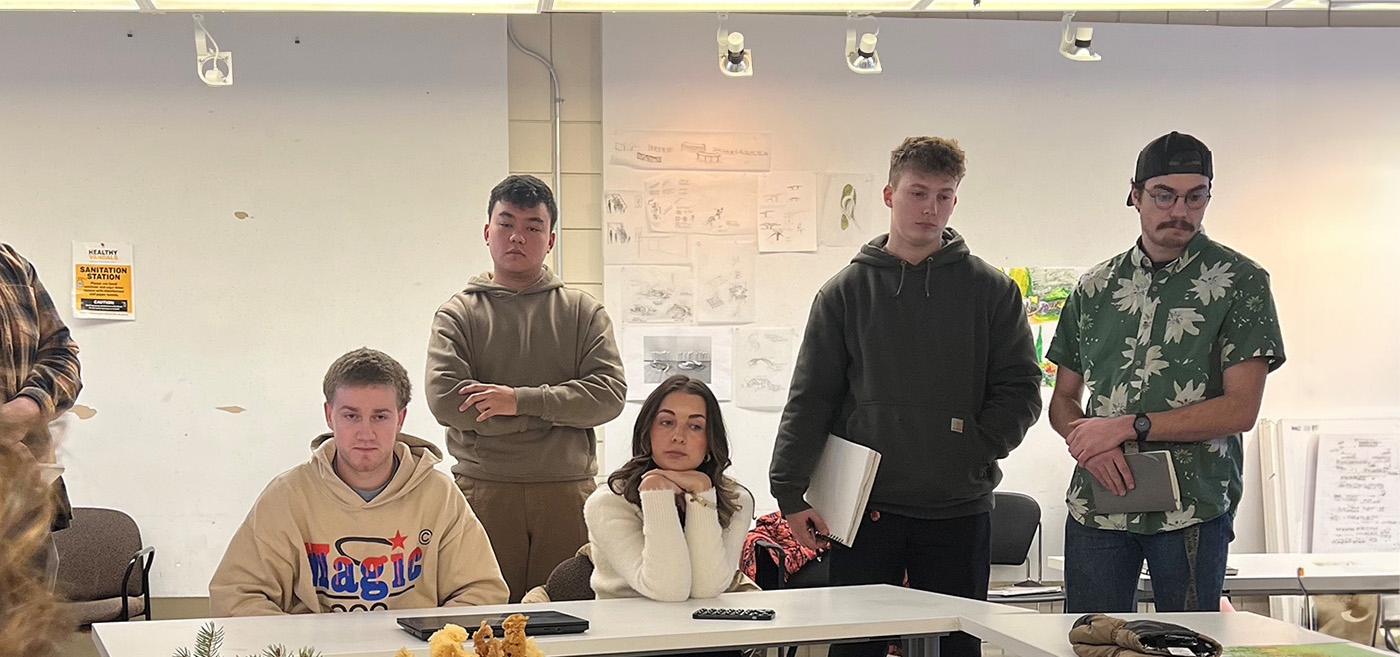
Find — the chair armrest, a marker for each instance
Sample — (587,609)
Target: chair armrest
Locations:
(145,557)
(778,554)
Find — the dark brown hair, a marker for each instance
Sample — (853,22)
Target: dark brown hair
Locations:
(31,622)
(930,155)
(627,478)
(368,367)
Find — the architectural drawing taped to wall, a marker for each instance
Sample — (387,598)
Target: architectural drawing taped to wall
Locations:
(787,212)
(657,295)
(624,217)
(725,276)
(850,209)
(651,354)
(702,203)
(763,360)
(690,151)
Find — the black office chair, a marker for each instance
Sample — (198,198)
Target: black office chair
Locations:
(1015,524)
(770,563)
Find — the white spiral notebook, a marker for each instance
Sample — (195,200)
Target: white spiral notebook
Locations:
(840,486)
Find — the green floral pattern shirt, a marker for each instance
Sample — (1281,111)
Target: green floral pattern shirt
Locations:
(1148,341)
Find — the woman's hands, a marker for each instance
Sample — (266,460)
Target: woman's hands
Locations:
(679,482)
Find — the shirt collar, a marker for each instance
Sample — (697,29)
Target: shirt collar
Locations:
(1141,260)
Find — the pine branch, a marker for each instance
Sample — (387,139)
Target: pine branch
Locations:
(208,641)
(182,652)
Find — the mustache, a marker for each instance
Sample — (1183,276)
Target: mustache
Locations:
(1176,224)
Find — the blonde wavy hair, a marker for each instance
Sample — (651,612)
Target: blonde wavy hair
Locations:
(31,621)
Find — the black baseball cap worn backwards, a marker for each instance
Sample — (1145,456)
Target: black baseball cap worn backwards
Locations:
(1172,153)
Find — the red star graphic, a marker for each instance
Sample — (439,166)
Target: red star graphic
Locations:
(397,540)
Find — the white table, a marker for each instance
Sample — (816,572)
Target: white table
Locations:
(1323,573)
(1047,635)
(616,627)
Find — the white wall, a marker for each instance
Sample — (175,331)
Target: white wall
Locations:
(364,155)
(1301,122)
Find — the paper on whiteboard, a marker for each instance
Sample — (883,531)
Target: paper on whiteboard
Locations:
(787,212)
(651,354)
(657,295)
(848,209)
(704,203)
(692,151)
(624,215)
(1357,505)
(763,359)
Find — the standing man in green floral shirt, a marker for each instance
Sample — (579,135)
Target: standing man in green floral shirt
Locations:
(1173,340)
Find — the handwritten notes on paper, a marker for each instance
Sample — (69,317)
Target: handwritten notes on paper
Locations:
(1357,503)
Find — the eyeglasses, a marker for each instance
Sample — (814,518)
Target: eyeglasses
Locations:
(1166,198)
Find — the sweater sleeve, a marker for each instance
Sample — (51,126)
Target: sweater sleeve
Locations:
(714,552)
(467,570)
(594,398)
(818,387)
(450,370)
(650,555)
(1012,400)
(255,577)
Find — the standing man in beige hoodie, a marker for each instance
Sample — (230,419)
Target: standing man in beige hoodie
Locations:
(367,524)
(520,371)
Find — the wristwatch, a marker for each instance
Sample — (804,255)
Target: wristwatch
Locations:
(1141,425)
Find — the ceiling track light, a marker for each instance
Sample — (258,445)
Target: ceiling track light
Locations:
(214,66)
(1075,40)
(735,60)
(860,53)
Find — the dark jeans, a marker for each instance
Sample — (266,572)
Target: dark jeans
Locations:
(950,556)
(1187,567)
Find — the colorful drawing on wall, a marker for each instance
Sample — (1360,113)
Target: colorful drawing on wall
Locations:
(1044,291)
(848,207)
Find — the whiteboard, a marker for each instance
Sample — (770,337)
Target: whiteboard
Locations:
(363,157)
(1289,455)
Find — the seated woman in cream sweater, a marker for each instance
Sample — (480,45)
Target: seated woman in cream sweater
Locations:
(669,525)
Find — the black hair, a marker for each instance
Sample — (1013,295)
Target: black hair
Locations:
(525,191)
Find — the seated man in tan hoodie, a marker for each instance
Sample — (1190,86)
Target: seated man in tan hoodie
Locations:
(367,524)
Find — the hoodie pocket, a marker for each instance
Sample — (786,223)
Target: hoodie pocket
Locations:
(928,455)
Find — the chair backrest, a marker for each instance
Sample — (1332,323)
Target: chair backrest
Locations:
(569,580)
(1014,522)
(93,554)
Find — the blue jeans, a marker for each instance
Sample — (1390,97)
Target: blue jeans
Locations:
(1187,567)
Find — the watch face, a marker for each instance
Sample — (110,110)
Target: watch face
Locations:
(1141,424)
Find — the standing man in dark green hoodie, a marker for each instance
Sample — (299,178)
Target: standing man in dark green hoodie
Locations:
(922,352)
(520,371)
